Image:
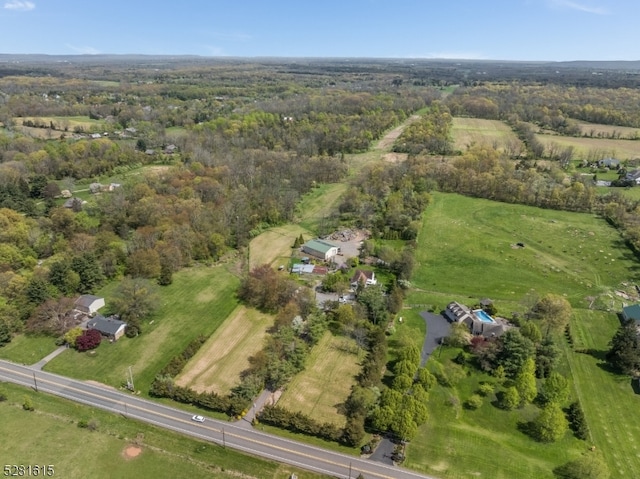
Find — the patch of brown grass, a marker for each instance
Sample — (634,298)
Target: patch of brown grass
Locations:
(218,364)
(321,389)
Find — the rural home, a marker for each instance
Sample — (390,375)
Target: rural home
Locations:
(478,321)
(110,327)
(367,278)
(320,249)
(89,304)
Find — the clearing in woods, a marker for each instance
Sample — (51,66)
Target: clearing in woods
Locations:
(326,382)
(470,131)
(220,361)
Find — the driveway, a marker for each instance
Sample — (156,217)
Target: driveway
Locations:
(437,328)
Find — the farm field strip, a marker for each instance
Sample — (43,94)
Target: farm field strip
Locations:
(220,361)
(326,381)
(468,131)
(621,149)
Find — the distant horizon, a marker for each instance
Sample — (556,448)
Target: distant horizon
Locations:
(276,57)
(502,30)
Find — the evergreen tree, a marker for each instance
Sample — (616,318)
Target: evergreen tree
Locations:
(624,349)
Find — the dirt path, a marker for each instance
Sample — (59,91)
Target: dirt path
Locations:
(387,140)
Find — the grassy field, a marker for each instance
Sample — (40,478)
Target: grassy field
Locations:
(218,364)
(50,435)
(326,382)
(465,253)
(469,131)
(27,349)
(318,204)
(458,443)
(197,303)
(273,247)
(621,149)
(595,129)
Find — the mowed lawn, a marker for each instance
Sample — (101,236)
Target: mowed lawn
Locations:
(325,384)
(609,402)
(197,303)
(274,247)
(469,131)
(318,204)
(468,250)
(50,436)
(621,149)
(218,364)
(457,443)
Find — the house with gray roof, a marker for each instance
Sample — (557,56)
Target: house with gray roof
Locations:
(110,327)
(478,321)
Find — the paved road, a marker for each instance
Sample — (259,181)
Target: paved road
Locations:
(249,441)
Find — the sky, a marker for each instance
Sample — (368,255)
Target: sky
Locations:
(526,30)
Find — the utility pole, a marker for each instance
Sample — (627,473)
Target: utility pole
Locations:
(224,445)
(35,383)
(349,470)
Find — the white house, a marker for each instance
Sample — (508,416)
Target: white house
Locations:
(367,278)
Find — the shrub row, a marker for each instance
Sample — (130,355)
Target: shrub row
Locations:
(300,423)
(164,387)
(178,362)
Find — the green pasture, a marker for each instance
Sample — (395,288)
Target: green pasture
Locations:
(197,303)
(50,435)
(468,250)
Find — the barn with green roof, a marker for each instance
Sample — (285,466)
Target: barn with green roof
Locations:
(320,249)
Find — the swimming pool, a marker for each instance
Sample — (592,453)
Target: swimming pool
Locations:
(483,316)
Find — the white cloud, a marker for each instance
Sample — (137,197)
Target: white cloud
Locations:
(83,50)
(19,5)
(581,7)
(454,55)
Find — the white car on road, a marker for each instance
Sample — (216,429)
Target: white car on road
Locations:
(197,418)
